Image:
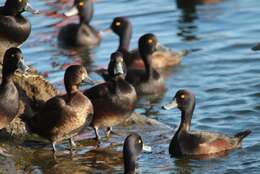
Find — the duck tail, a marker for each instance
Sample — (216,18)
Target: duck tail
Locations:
(242,135)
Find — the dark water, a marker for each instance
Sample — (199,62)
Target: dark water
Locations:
(221,71)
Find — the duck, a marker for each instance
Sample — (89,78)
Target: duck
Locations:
(146,81)
(190,143)
(161,58)
(9,96)
(191,3)
(14,28)
(114,100)
(63,116)
(133,146)
(81,34)
(256,47)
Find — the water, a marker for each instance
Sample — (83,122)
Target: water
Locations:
(221,71)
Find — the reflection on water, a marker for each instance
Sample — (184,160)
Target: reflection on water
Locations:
(223,73)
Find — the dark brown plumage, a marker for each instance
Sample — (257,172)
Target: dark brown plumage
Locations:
(114,100)
(64,116)
(9,97)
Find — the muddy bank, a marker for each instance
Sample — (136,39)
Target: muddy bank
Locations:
(33,90)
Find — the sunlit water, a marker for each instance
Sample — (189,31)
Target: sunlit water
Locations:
(221,71)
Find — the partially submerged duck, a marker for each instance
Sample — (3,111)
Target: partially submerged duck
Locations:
(9,97)
(114,100)
(161,58)
(133,146)
(14,28)
(189,143)
(64,116)
(81,34)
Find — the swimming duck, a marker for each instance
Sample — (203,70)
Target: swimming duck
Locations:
(256,47)
(161,58)
(186,142)
(9,97)
(82,34)
(64,116)
(190,3)
(147,81)
(133,146)
(14,28)
(114,100)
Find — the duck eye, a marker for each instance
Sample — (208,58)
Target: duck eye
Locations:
(81,4)
(117,24)
(182,96)
(150,41)
(139,141)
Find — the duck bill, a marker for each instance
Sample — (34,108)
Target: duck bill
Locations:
(23,67)
(171,105)
(160,47)
(105,31)
(88,81)
(71,12)
(30,9)
(119,70)
(147,148)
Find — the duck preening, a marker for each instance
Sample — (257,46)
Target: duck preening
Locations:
(186,142)
(62,117)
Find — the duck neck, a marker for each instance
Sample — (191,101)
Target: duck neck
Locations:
(186,116)
(129,164)
(148,67)
(124,39)
(71,89)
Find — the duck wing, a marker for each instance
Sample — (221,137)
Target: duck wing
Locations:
(203,143)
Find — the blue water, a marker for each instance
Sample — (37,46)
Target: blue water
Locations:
(221,70)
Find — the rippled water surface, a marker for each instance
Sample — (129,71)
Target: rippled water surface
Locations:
(221,70)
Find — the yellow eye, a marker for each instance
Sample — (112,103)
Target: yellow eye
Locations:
(182,96)
(118,24)
(81,4)
(150,41)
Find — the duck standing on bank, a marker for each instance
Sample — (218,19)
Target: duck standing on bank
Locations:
(9,97)
(14,28)
(64,116)
(186,142)
(81,34)
(113,101)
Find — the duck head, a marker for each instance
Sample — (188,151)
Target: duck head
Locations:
(83,8)
(13,61)
(74,76)
(15,7)
(117,67)
(133,146)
